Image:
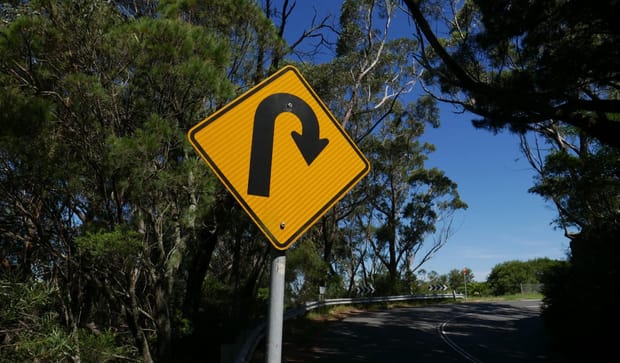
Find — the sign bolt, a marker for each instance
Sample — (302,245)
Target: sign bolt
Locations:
(282,225)
(289,105)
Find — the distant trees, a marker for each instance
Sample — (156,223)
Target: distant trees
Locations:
(406,202)
(507,277)
(457,279)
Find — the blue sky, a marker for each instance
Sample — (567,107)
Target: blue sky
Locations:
(503,222)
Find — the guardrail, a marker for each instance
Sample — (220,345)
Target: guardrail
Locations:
(255,336)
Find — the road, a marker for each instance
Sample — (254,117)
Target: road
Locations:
(472,332)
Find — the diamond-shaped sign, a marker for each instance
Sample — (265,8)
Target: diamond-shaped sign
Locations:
(282,155)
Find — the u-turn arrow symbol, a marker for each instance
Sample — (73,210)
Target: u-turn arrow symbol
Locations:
(308,142)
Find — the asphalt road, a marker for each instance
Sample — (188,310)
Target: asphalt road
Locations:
(473,332)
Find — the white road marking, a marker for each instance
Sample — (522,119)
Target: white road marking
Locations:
(453,345)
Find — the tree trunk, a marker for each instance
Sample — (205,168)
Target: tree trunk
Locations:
(392,266)
(134,319)
(205,245)
(164,327)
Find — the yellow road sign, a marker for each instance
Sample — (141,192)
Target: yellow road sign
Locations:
(282,155)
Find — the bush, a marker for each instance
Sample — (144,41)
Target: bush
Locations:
(33,332)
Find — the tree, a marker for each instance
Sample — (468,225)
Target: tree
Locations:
(406,201)
(104,201)
(582,182)
(507,61)
(31,330)
(457,279)
(107,195)
(579,179)
(306,272)
(507,277)
(361,85)
(364,86)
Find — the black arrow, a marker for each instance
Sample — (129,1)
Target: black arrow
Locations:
(438,287)
(308,142)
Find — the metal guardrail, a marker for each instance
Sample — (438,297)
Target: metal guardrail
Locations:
(255,336)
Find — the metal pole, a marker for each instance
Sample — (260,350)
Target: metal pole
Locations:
(276,308)
(465,280)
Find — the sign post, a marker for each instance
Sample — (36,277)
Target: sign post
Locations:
(465,281)
(286,160)
(276,308)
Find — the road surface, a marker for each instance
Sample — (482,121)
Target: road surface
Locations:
(472,332)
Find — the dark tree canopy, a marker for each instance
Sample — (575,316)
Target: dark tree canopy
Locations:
(527,65)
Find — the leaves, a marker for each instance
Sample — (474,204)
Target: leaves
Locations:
(506,62)
(102,244)
(103,197)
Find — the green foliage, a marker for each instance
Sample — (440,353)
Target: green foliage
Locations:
(103,244)
(48,344)
(456,279)
(585,187)
(249,35)
(21,116)
(475,289)
(102,347)
(305,272)
(350,14)
(507,277)
(53,344)
(96,173)
(385,286)
(505,61)
(23,302)
(32,329)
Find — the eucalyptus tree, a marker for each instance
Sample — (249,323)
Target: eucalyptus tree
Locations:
(230,252)
(369,86)
(361,85)
(410,208)
(376,77)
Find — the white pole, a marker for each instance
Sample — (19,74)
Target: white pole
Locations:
(276,308)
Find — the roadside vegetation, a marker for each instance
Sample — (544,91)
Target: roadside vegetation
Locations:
(339,312)
(117,244)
